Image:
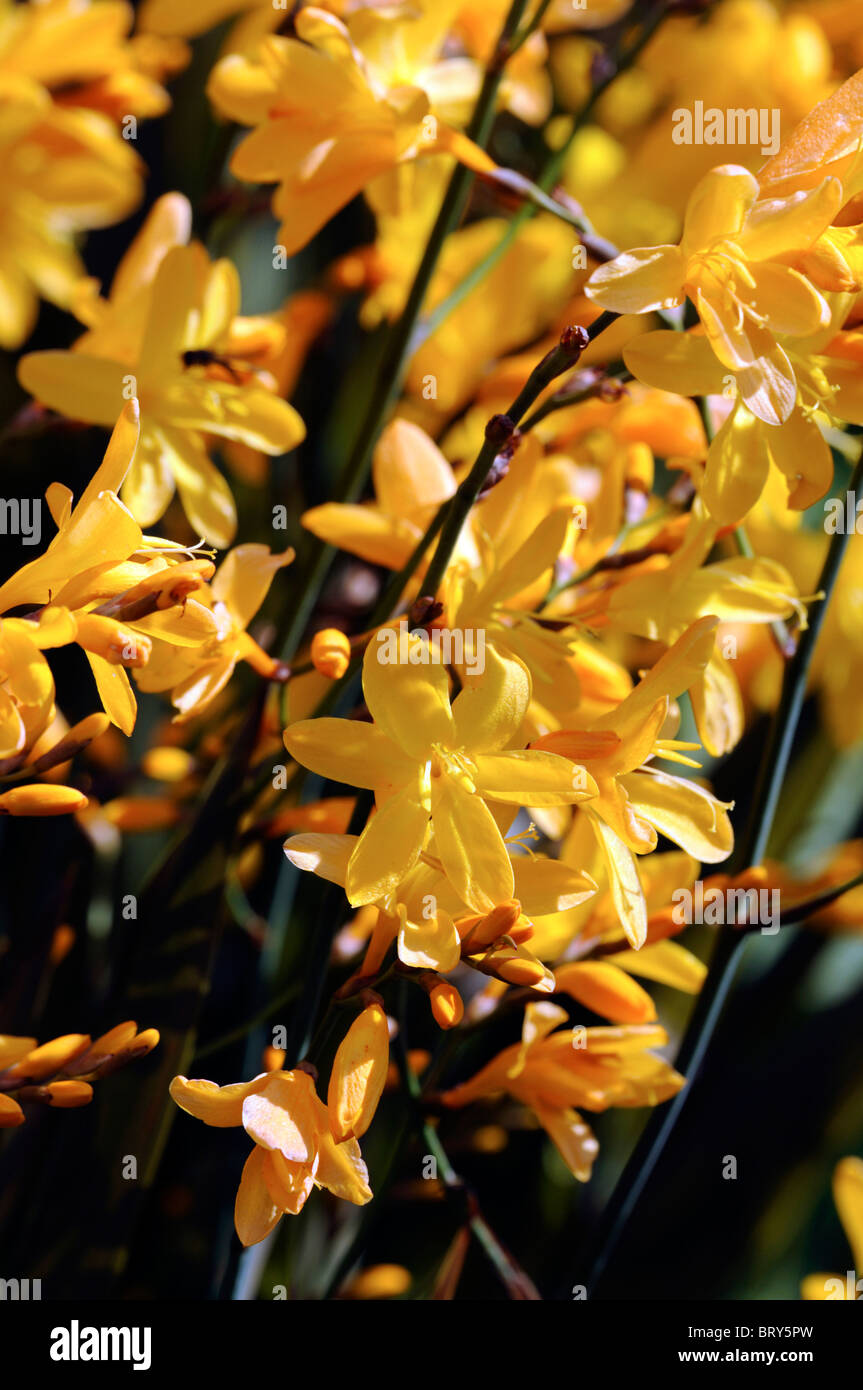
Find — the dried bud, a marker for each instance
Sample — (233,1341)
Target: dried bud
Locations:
(573,340)
(499,430)
(611,390)
(424,610)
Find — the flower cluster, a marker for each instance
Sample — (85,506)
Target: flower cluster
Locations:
(570,419)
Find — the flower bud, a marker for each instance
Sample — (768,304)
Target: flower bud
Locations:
(36,799)
(446,1004)
(331,652)
(113,641)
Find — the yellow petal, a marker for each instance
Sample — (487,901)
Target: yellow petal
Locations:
(471,850)
(324,855)
(411,476)
(347,750)
(342,1171)
(626,889)
(358,1075)
(243,579)
(428,944)
(280,1115)
(76,385)
(532,777)
(682,362)
(255,1212)
(115,692)
(666,962)
(848,1195)
(737,467)
(684,812)
(548,885)
(408,697)
(388,847)
(491,705)
(573,1139)
(639,281)
(220,1106)
(718,207)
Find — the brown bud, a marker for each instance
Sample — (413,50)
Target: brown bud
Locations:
(573,340)
(423,611)
(499,430)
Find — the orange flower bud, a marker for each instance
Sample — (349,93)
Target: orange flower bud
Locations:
(477,933)
(72,741)
(36,799)
(11,1114)
(331,652)
(273,1059)
(114,642)
(69,1095)
(606,990)
(50,1057)
(446,1004)
(167,764)
(141,812)
(379,1281)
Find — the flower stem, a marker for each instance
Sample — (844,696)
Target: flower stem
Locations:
(749,851)
(517,1283)
(551,366)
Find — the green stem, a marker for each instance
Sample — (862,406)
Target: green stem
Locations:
(749,851)
(517,1283)
(548,177)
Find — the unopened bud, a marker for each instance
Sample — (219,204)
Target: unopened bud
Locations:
(331,652)
(115,643)
(34,799)
(73,741)
(424,610)
(446,1004)
(498,430)
(573,340)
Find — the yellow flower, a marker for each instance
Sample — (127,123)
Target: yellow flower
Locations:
(848,1196)
(339,106)
(594,1068)
(196,673)
(432,765)
(80,51)
(739,458)
(661,598)
(636,802)
(434,928)
(167,326)
(300,1143)
(61,171)
(107,587)
(730,264)
(411,479)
